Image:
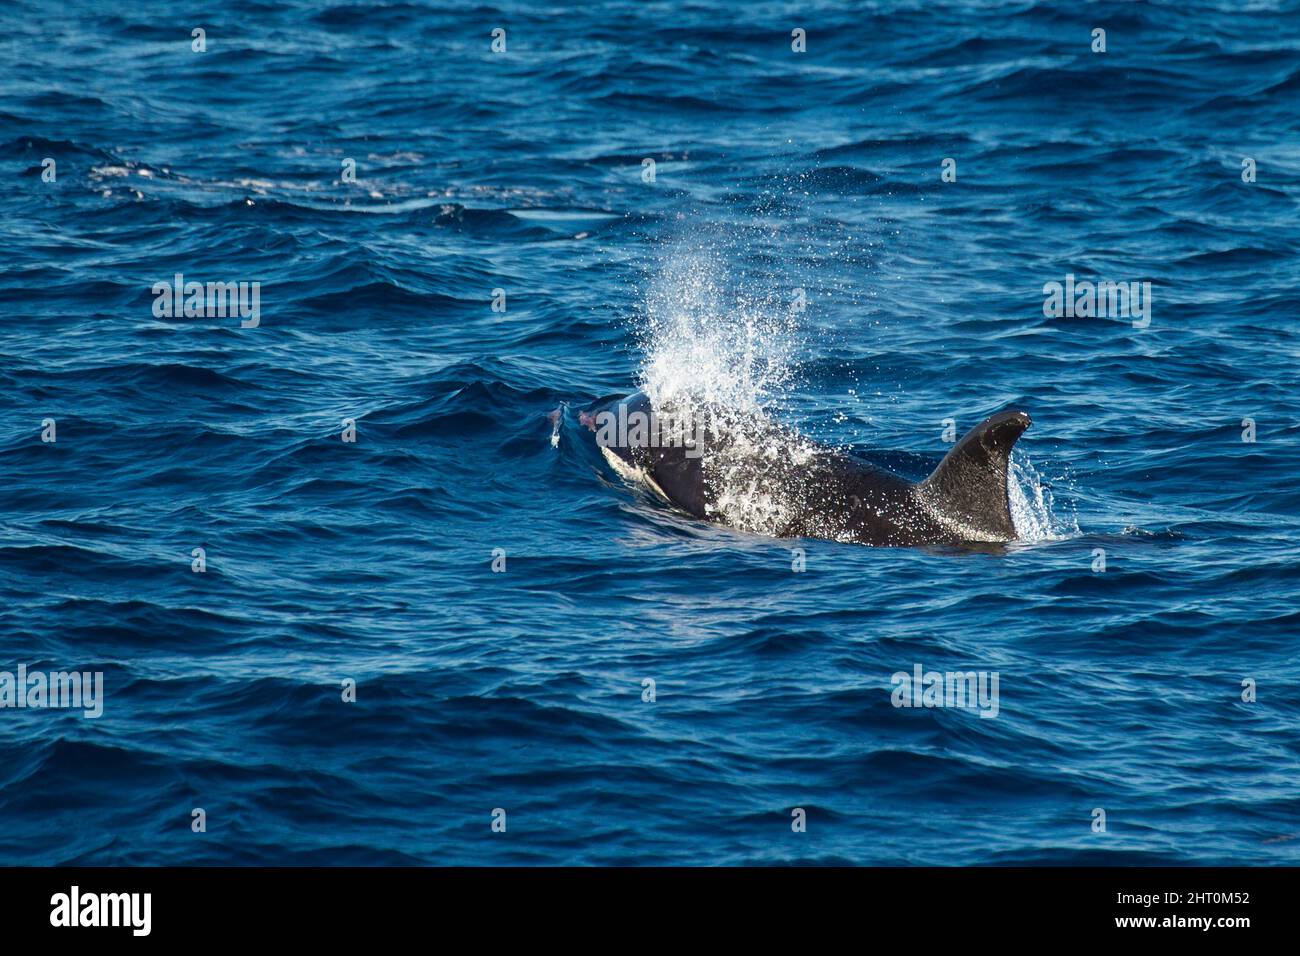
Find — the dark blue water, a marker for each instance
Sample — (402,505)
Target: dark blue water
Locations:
(523,172)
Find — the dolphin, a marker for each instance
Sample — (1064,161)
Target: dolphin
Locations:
(749,473)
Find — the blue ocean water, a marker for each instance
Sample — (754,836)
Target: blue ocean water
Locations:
(505,251)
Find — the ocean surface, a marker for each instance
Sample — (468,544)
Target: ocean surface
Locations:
(505,251)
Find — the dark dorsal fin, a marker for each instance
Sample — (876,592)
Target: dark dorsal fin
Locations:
(970,484)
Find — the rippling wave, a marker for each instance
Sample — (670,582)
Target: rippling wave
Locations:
(503,601)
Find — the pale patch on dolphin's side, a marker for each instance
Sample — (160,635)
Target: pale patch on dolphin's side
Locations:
(633,474)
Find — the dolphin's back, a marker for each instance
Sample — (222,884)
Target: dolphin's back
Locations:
(808,490)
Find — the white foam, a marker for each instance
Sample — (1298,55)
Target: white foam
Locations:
(723,356)
(1033,505)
